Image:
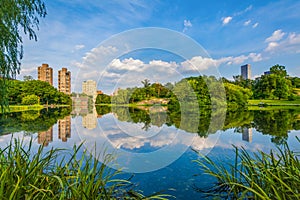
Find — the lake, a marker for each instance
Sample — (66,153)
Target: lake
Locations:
(155,145)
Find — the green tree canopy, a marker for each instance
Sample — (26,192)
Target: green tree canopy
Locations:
(16,17)
(278,70)
(30,100)
(46,93)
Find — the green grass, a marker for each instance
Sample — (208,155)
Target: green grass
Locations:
(270,102)
(281,107)
(273,175)
(25,174)
(20,108)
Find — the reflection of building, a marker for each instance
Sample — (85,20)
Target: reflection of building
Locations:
(80,105)
(45,73)
(64,128)
(90,88)
(45,137)
(89,121)
(246,71)
(247,134)
(64,81)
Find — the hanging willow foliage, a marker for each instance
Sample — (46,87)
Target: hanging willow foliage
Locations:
(16,17)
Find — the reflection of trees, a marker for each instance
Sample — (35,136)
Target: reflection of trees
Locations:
(103,110)
(32,121)
(238,119)
(276,123)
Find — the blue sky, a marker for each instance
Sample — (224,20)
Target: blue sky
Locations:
(232,33)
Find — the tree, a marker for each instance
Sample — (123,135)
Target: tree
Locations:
(27,78)
(103,99)
(282,89)
(30,100)
(16,17)
(47,94)
(146,83)
(278,70)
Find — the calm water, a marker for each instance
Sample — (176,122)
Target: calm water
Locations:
(155,145)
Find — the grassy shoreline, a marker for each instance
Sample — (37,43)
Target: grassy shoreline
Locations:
(39,175)
(269,102)
(258,175)
(21,108)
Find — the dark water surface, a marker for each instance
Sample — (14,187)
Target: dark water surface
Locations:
(155,145)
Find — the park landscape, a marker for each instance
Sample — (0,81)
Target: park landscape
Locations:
(239,136)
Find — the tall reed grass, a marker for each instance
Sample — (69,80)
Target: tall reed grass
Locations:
(60,174)
(274,175)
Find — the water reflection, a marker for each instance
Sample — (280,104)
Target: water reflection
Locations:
(247,134)
(148,122)
(45,137)
(89,120)
(148,139)
(64,128)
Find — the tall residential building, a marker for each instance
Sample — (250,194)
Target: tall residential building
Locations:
(45,73)
(246,71)
(90,88)
(64,81)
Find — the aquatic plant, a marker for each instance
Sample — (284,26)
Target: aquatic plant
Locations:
(261,175)
(61,174)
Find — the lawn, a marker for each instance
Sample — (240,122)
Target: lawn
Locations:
(24,108)
(271,102)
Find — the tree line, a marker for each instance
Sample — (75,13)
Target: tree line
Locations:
(277,84)
(32,92)
(207,90)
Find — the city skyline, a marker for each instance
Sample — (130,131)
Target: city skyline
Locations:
(90,87)
(231,34)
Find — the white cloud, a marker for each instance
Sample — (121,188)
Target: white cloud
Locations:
(90,75)
(255,25)
(128,64)
(248,8)
(277,42)
(276,36)
(243,11)
(78,47)
(226,20)
(26,71)
(187,24)
(255,57)
(272,46)
(160,63)
(246,23)
(198,63)
(293,39)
